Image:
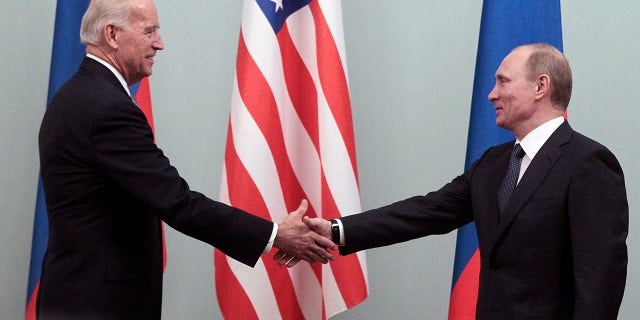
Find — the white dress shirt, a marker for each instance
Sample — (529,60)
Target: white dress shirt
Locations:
(533,141)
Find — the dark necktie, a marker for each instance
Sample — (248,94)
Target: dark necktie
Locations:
(511,178)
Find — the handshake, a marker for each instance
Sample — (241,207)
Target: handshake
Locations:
(302,238)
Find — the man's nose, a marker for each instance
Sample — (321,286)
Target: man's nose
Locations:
(492,95)
(157,43)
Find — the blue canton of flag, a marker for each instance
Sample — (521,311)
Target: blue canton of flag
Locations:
(277,11)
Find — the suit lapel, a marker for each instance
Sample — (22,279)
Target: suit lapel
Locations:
(540,166)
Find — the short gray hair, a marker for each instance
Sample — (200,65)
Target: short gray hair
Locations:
(99,14)
(547,59)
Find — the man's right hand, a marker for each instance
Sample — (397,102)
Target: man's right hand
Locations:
(297,241)
(319,225)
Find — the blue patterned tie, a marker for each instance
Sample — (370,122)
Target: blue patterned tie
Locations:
(511,178)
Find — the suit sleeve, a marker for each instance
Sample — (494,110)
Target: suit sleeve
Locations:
(124,151)
(438,212)
(599,220)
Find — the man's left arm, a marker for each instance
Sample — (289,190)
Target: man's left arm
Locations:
(599,222)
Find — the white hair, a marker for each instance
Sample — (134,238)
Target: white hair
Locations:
(101,13)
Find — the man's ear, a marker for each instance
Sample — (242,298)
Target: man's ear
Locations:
(543,85)
(111,34)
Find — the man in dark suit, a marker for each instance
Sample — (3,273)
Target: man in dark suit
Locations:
(108,186)
(556,248)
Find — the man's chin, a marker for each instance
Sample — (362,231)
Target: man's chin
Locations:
(145,74)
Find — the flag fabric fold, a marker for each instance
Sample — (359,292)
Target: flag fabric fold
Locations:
(290,137)
(66,55)
(505,24)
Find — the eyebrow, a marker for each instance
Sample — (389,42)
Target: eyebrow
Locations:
(151,28)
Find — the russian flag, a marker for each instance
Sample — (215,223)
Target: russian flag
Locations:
(505,24)
(67,54)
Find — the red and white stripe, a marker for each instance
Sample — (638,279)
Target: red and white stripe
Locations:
(290,137)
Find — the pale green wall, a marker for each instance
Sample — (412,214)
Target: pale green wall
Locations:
(411,67)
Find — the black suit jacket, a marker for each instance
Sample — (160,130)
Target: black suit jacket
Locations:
(107,186)
(557,252)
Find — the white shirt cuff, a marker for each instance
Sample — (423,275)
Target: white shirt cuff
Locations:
(267,249)
(341,243)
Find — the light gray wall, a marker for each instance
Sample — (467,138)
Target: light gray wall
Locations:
(411,67)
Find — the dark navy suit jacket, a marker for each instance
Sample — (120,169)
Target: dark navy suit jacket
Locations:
(107,187)
(559,249)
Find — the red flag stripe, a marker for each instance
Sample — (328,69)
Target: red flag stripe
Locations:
(30,313)
(143,98)
(465,292)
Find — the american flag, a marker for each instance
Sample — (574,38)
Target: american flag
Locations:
(290,137)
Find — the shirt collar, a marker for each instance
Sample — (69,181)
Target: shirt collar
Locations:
(533,141)
(113,70)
